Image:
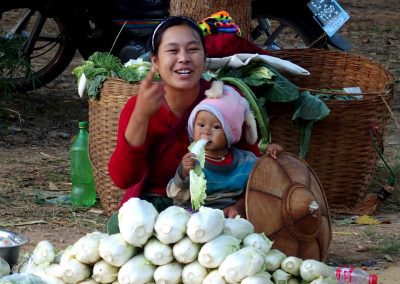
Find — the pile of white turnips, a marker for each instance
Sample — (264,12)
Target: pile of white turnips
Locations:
(174,246)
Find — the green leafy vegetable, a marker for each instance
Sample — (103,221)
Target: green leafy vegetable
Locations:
(308,110)
(101,65)
(197,179)
(281,90)
(94,85)
(309,107)
(259,76)
(135,70)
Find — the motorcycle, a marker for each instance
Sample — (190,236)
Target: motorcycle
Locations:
(43,35)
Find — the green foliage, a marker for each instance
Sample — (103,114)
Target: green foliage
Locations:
(13,64)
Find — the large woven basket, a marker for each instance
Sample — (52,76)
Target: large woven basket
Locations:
(340,150)
(103,125)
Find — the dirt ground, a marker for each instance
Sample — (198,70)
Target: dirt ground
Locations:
(36,131)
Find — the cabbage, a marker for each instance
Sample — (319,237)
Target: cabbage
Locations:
(104,272)
(168,273)
(171,224)
(197,179)
(259,241)
(43,253)
(273,259)
(214,277)
(259,278)
(4,267)
(115,250)
(238,227)
(193,273)
(136,219)
(241,264)
(215,251)
(185,251)
(205,225)
(86,249)
(157,252)
(138,270)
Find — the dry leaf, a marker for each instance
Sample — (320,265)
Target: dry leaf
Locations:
(367,220)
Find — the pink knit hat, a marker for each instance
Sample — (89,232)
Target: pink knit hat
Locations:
(231,109)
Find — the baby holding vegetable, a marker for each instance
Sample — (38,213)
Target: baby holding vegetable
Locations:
(220,119)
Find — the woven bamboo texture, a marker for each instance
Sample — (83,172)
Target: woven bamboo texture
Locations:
(340,150)
(103,125)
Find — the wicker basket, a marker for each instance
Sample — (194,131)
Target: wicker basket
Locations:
(340,150)
(103,125)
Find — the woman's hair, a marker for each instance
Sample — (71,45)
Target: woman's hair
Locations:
(170,22)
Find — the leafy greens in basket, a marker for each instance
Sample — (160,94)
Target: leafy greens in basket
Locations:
(101,65)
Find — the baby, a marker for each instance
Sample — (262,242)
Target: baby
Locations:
(220,119)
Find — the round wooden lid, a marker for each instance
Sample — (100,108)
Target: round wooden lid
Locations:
(286,201)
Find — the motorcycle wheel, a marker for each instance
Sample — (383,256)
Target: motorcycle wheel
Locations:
(34,50)
(272,32)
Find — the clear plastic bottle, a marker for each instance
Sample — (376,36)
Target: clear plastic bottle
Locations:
(83,191)
(348,275)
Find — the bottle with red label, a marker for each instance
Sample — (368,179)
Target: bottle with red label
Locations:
(348,275)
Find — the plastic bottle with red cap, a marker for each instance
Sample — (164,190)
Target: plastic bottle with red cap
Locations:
(349,275)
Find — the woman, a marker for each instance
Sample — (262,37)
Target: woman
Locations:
(152,135)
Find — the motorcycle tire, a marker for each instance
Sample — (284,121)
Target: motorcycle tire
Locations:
(41,53)
(274,32)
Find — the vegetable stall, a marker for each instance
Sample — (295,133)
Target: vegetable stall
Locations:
(173,246)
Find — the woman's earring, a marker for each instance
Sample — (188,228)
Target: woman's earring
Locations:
(156,71)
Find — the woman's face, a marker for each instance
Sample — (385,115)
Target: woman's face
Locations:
(180,59)
(208,126)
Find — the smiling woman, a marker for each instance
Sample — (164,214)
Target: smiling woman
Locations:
(152,136)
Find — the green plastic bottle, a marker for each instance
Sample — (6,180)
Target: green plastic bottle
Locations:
(83,191)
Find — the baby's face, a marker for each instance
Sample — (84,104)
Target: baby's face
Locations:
(207,126)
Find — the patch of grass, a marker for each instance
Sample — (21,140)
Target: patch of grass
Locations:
(390,246)
(384,244)
(57,175)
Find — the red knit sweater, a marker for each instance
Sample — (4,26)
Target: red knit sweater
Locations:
(129,164)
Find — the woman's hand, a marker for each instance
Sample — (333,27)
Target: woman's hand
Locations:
(150,96)
(188,163)
(274,150)
(149,100)
(239,208)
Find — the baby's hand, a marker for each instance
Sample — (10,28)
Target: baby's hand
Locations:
(188,163)
(237,209)
(274,150)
